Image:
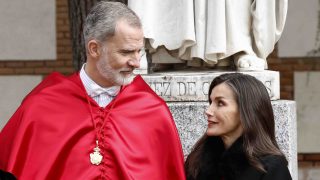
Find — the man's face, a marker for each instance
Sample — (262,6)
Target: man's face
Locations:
(120,55)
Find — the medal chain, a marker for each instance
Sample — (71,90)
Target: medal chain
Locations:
(96,157)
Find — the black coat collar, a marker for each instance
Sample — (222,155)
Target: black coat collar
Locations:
(232,164)
(220,162)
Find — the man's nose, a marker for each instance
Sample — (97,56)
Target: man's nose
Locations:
(135,61)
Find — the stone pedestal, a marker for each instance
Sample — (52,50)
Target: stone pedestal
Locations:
(192,122)
(186,94)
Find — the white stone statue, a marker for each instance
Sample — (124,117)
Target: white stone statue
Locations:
(213,30)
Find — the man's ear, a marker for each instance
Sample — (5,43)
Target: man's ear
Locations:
(94,49)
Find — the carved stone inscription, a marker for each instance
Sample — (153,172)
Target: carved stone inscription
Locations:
(190,89)
(161,88)
(195,87)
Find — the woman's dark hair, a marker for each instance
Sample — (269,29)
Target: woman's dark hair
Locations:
(256,117)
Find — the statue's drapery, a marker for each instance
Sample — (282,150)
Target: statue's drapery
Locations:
(212,30)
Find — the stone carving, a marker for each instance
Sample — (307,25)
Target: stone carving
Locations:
(186,86)
(214,32)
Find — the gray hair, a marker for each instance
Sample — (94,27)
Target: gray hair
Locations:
(101,21)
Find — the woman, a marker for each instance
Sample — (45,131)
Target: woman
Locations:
(239,143)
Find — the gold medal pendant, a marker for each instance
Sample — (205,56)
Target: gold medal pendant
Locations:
(95,156)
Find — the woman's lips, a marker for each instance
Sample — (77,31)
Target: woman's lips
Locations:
(212,122)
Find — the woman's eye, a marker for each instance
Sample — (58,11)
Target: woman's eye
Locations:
(220,103)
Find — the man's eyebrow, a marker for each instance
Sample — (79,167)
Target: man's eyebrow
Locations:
(126,50)
(130,49)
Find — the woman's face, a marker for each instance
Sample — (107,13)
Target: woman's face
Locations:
(223,114)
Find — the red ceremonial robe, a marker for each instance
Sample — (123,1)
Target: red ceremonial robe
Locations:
(51,135)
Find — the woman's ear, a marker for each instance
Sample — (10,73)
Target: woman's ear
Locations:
(94,48)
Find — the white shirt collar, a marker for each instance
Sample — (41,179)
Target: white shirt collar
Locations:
(93,89)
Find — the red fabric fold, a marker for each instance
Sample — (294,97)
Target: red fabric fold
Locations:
(51,135)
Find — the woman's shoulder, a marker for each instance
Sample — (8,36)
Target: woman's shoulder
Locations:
(273,160)
(276,167)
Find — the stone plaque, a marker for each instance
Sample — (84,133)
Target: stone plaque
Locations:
(193,86)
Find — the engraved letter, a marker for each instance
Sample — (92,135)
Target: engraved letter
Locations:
(158,88)
(167,89)
(192,88)
(268,85)
(205,88)
(182,88)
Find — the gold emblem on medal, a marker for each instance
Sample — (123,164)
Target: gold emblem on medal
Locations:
(95,156)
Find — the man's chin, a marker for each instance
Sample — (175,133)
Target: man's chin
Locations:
(127,80)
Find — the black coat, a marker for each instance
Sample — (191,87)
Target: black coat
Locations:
(232,164)
(6,175)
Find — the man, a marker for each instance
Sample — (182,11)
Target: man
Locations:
(100,123)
